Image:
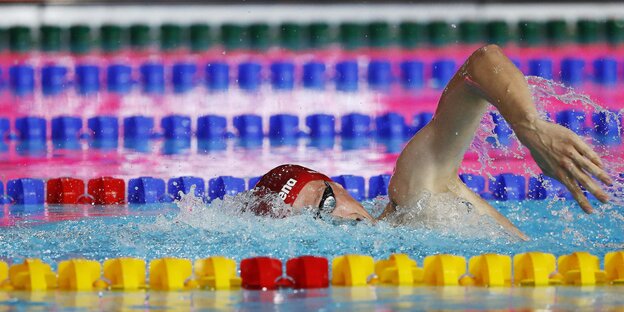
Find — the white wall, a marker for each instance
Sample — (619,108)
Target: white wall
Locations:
(216,14)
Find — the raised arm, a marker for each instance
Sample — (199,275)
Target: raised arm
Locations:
(431,159)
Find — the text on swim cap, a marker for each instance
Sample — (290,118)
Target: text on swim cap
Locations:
(287,188)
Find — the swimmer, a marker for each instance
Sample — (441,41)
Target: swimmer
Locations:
(431,159)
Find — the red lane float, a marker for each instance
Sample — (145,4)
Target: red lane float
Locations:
(64,190)
(260,273)
(107,190)
(308,272)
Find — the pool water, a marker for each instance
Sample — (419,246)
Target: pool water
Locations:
(330,299)
(191,229)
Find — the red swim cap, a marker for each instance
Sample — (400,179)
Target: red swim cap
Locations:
(286,181)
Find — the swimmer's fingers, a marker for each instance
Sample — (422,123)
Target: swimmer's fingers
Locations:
(521,235)
(588,183)
(588,152)
(570,183)
(591,167)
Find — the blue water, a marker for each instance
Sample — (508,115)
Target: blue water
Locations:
(194,230)
(331,299)
(191,229)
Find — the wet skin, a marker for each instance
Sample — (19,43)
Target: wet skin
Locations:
(346,206)
(431,159)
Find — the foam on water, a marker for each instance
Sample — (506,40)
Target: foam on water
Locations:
(196,230)
(207,230)
(448,214)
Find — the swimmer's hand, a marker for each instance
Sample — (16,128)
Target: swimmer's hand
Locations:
(562,155)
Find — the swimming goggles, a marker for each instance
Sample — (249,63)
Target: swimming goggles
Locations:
(328,201)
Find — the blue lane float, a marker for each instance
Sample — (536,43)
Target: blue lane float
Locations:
(573,120)
(146,190)
(183,77)
(251,184)
(442,72)
(420,121)
(353,184)
(390,126)
(355,125)
(322,126)
(607,127)
(314,75)
(412,75)
(283,129)
(249,76)
(66,132)
(87,79)
(347,76)
(283,75)
(475,183)
(5,128)
(502,131)
(249,128)
(217,76)
(605,71)
(26,191)
(53,79)
(211,127)
(152,78)
(379,75)
(104,132)
(212,131)
(119,79)
(149,190)
(22,80)
(572,71)
(31,134)
(378,185)
(137,132)
(541,67)
(219,187)
(176,133)
(3,198)
(184,184)
(543,187)
(508,186)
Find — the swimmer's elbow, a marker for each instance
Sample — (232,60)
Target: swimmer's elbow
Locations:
(493,49)
(478,67)
(487,54)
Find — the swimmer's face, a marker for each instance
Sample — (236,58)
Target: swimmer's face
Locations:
(345,206)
